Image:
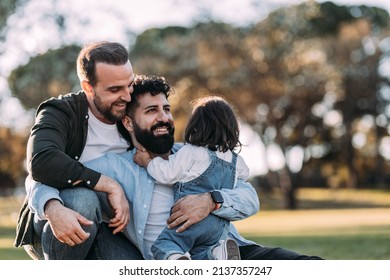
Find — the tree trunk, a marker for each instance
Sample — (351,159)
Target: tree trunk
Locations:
(288,187)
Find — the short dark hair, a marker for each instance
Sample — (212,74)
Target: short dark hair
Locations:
(213,124)
(143,84)
(147,84)
(106,52)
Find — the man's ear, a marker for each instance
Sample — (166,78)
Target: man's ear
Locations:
(128,123)
(86,86)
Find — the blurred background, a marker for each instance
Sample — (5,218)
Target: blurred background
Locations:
(310,82)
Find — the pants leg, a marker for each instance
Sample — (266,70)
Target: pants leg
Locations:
(197,240)
(257,252)
(108,246)
(83,201)
(101,244)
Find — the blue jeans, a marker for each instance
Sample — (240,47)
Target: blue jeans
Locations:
(101,244)
(171,242)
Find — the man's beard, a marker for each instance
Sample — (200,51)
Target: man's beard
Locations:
(158,145)
(107,110)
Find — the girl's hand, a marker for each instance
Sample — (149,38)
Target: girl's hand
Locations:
(142,158)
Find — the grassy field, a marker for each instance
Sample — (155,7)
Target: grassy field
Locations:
(348,234)
(336,225)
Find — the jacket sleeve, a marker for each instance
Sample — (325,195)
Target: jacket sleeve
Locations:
(239,203)
(48,147)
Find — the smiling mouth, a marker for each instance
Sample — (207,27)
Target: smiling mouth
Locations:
(121,105)
(161,130)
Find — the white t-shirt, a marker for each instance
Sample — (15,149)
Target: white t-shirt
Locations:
(102,138)
(160,207)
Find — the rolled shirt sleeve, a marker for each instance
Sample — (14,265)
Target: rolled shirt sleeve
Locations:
(239,203)
(38,195)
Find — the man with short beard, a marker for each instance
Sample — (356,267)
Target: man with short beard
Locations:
(68,131)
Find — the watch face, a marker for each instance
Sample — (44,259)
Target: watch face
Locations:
(217,197)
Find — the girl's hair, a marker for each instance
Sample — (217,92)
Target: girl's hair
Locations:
(213,124)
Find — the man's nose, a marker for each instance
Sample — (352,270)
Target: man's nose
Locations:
(126,96)
(162,116)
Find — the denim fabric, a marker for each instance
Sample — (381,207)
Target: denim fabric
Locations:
(200,238)
(239,203)
(101,244)
(108,246)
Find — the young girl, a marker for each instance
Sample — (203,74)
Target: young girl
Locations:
(207,163)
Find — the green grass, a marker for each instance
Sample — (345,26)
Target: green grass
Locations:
(374,245)
(7,250)
(9,207)
(358,240)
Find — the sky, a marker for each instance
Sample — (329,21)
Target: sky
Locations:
(31,33)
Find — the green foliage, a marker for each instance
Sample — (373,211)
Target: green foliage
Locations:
(45,76)
(157,36)
(12,151)
(7,7)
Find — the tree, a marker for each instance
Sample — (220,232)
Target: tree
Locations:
(44,77)
(12,145)
(12,151)
(7,7)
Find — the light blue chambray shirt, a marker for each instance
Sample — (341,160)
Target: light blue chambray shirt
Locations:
(239,203)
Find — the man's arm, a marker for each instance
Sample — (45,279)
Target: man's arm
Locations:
(55,145)
(239,203)
(38,195)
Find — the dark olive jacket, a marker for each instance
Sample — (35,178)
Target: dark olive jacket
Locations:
(56,142)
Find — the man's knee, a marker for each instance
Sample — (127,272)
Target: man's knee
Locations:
(82,200)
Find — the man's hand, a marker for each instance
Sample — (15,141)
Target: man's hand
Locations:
(65,223)
(190,210)
(118,201)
